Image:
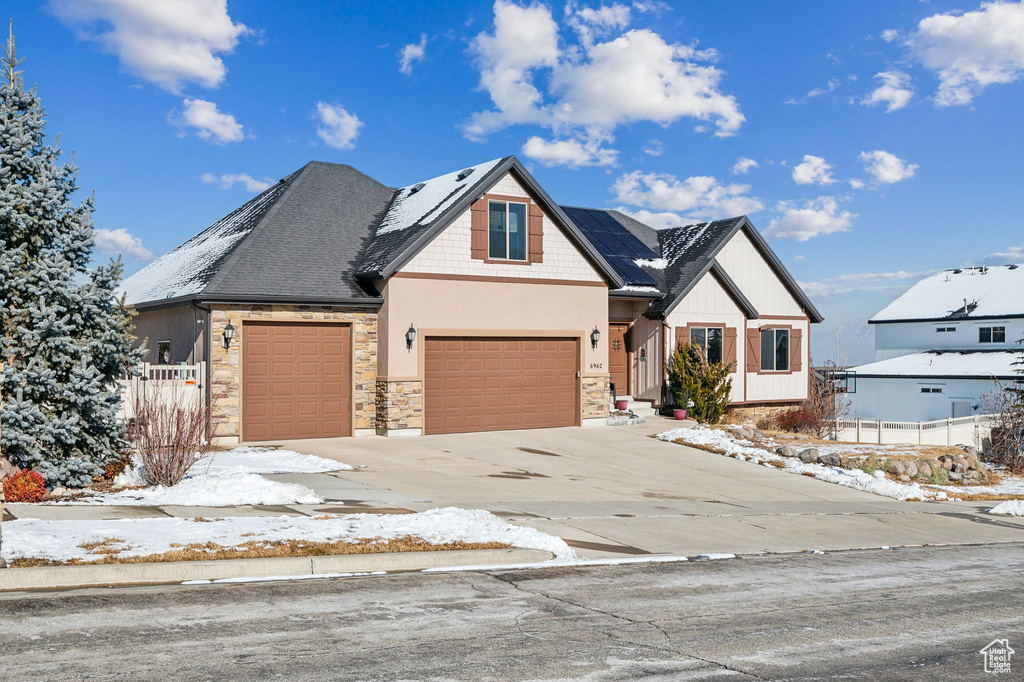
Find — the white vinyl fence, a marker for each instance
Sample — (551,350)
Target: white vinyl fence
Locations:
(181,383)
(959,431)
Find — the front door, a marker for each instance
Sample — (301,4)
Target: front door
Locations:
(618,357)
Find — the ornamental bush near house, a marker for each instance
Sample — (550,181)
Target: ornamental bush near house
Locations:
(706,384)
(64,340)
(797,420)
(26,486)
(170,430)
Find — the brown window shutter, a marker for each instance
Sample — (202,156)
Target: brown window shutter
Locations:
(478,229)
(729,347)
(682,336)
(536,234)
(796,351)
(753,350)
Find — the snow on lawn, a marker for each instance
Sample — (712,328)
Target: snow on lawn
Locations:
(62,540)
(254,460)
(855,478)
(211,490)
(1009,508)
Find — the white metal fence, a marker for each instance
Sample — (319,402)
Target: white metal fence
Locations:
(954,431)
(182,383)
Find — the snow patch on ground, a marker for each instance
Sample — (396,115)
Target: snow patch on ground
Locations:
(220,489)
(747,451)
(62,540)
(1009,508)
(255,460)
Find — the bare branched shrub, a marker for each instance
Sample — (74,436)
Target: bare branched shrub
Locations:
(169,429)
(825,402)
(1007,437)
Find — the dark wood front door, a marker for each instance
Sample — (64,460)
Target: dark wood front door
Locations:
(618,357)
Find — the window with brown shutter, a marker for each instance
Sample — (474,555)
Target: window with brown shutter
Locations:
(730,348)
(682,337)
(796,350)
(536,234)
(753,350)
(480,230)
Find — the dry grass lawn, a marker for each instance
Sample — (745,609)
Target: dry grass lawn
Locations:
(108,549)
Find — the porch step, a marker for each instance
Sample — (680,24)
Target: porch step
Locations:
(640,407)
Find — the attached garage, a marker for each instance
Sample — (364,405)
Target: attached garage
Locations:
(495,384)
(296,380)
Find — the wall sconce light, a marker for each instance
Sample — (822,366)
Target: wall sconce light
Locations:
(229,333)
(643,355)
(595,336)
(410,336)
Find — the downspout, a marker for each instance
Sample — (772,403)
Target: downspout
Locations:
(207,340)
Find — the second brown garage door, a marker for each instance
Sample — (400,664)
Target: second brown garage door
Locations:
(484,384)
(296,380)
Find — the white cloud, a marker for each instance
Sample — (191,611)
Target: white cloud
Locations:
(890,34)
(857,183)
(229,180)
(695,198)
(571,153)
(1014,254)
(813,171)
(208,122)
(743,165)
(583,84)
(970,51)
(659,220)
(115,242)
(412,53)
(653,148)
(166,43)
(338,128)
(832,85)
(590,22)
(862,281)
(813,219)
(895,91)
(887,168)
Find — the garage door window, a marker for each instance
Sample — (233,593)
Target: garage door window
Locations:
(506,230)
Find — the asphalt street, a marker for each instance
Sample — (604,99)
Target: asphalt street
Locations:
(915,613)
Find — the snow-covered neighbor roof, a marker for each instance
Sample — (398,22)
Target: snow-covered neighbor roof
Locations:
(423,202)
(989,291)
(946,363)
(189,267)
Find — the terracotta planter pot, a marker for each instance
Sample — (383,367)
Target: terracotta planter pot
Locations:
(621,405)
(679,414)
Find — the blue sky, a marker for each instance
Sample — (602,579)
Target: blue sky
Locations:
(882,139)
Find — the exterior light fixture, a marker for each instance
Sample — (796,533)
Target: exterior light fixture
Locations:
(595,336)
(229,333)
(410,336)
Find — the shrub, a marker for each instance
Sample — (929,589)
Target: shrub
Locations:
(169,430)
(27,486)
(798,420)
(706,384)
(1007,436)
(767,422)
(115,467)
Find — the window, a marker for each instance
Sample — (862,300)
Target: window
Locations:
(991,334)
(931,389)
(506,230)
(775,350)
(945,329)
(711,340)
(163,352)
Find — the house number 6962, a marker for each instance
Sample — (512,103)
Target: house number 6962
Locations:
(596,365)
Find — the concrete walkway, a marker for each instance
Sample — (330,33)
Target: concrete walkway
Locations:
(609,492)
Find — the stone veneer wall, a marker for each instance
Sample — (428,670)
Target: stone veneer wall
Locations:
(226,370)
(750,414)
(596,396)
(399,405)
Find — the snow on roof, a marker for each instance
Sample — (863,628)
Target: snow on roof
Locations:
(989,291)
(652,263)
(422,202)
(685,239)
(639,289)
(946,363)
(188,269)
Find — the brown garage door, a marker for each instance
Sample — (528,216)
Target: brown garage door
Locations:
(481,384)
(296,380)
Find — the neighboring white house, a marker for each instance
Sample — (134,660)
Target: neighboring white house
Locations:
(941,347)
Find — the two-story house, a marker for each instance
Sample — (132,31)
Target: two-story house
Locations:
(941,347)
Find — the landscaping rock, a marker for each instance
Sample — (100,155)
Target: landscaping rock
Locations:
(787,451)
(741,432)
(809,455)
(947,462)
(959,468)
(910,468)
(6,468)
(973,474)
(905,478)
(954,476)
(758,433)
(924,468)
(59,491)
(896,468)
(969,449)
(830,460)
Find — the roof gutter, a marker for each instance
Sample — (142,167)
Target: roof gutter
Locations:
(951,320)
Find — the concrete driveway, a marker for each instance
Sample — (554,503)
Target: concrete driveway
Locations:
(616,492)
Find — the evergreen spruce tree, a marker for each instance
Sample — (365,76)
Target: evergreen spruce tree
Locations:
(64,339)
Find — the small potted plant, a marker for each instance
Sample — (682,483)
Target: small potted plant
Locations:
(680,413)
(621,405)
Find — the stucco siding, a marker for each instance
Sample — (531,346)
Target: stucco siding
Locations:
(756,279)
(177,325)
(450,252)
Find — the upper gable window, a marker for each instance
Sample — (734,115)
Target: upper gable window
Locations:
(992,335)
(506,230)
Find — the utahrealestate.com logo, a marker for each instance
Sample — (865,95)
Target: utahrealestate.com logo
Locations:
(997,656)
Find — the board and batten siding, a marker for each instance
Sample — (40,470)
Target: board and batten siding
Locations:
(755,278)
(781,386)
(450,253)
(646,356)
